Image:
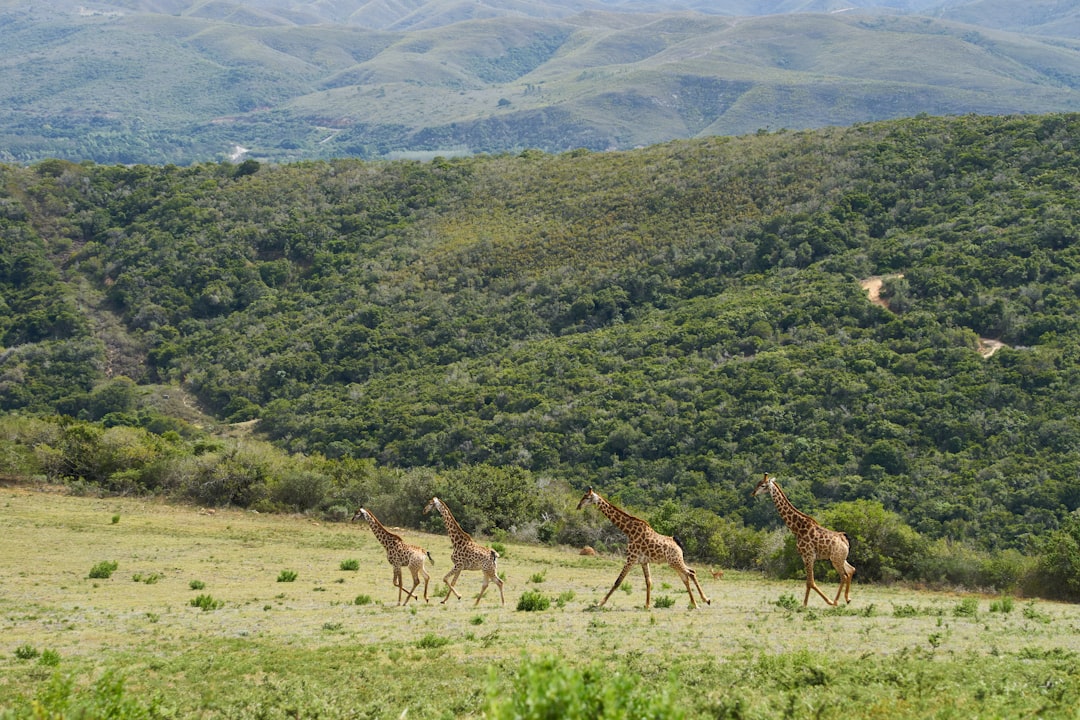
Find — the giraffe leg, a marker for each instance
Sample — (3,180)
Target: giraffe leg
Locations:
(698,585)
(455,572)
(648,584)
(415,582)
(397,582)
(685,576)
(427,577)
(846,571)
(483,589)
(499,581)
(622,576)
(811,585)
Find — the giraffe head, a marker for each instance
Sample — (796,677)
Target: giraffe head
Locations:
(432,503)
(765,485)
(362,514)
(590,498)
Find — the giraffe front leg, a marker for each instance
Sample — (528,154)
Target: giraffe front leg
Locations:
(455,572)
(397,582)
(622,576)
(811,585)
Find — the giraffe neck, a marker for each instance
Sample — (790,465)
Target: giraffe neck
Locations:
(797,521)
(452,528)
(620,518)
(387,538)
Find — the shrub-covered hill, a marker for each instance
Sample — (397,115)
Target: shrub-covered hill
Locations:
(665,324)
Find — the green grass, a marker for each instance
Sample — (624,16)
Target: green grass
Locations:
(751,654)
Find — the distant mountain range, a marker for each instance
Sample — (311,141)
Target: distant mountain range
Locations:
(181,81)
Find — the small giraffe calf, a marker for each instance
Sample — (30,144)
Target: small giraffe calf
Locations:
(466,554)
(399,554)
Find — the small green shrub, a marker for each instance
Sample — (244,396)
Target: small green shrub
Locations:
(362,600)
(477,620)
(351,564)
(196,585)
(431,640)
(287,576)
(147,579)
(564,597)
(664,601)
(26,652)
(206,602)
(1030,613)
(103,570)
(967,607)
(787,601)
(533,600)
(49,658)
(115,519)
(551,688)
(1003,605)
(537,578)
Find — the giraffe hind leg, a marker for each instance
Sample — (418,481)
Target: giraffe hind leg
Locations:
(648,585)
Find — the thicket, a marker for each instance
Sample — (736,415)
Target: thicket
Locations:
(664,324)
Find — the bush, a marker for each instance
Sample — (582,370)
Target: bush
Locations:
(26,652)
(532,600)
(1058,572)
(351,564)
(205,603)
(286,576)
(550,688)
(103,570)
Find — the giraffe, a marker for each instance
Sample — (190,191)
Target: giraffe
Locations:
(813,542)
(645,546)
(399,554)
(466,554)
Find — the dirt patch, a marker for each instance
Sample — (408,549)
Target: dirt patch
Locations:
(872,286)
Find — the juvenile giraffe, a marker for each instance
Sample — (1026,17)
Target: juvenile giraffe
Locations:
(813,542)
(645,546)
(399,554)
(466,554)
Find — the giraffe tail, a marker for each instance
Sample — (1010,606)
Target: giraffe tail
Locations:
(428,553)
(678,541)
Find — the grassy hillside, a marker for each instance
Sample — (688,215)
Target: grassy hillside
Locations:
(666,323)
(199,618)
(186,82)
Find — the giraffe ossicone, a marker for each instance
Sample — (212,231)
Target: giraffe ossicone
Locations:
(812,541)
(399,554)
(644,545)
(466,554)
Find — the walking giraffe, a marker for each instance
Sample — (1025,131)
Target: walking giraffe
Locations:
(399,554)
(466,554)
(645,546)
(813,542)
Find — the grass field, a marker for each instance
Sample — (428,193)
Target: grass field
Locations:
(258,645)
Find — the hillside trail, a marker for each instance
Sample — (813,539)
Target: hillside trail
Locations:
(872,286)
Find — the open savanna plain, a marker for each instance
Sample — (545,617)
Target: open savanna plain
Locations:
(200,619)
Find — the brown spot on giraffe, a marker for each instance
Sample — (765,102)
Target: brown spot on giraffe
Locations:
(399,554)
(466,554)
(812,541)
(644,545)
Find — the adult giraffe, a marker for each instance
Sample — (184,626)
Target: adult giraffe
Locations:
(466,554)
(812,541)
(645,545)
(399,554)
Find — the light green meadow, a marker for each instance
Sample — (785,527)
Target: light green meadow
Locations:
(256,645)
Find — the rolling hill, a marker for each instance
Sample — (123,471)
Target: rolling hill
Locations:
(180,82)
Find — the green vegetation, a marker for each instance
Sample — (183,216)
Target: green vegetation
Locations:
(141,654)
(664,324)
(103,570)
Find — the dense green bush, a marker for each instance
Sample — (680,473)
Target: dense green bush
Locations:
(551,688)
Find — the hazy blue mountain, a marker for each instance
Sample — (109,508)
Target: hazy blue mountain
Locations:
(182,81)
